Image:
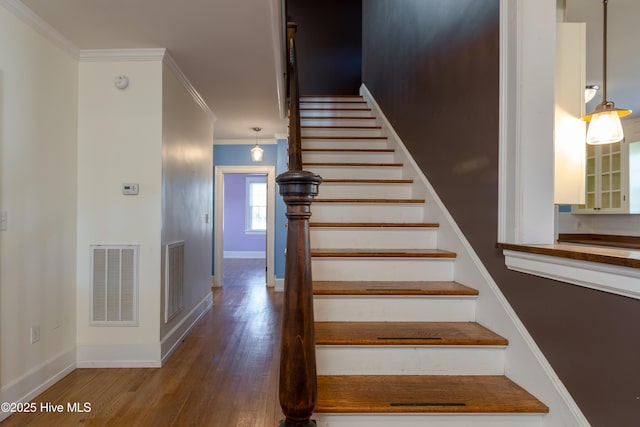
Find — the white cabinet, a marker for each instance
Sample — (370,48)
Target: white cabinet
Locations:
(607,179)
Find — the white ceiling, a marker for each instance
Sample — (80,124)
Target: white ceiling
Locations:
(623,62)
(228,49)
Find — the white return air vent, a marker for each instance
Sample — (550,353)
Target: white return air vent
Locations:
(173,280)
(114,285)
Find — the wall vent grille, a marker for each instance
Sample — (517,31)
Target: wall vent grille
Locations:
(114,285)
(174,280)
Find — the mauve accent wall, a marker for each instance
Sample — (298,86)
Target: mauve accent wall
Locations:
(329,45)
(433,67)
(236,238)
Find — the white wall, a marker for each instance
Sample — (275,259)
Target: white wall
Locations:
(187,192)
(120,140)
(38,109)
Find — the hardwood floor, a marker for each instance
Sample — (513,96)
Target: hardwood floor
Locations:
(224,374)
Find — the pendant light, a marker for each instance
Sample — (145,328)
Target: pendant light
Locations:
(257,152)
(605,126)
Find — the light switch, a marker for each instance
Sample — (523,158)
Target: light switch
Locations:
(3,220)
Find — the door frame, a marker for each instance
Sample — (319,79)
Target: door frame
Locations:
(218,229)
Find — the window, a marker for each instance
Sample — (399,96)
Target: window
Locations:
(256,220)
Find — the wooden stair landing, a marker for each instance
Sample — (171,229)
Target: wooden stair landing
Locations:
(391,288)
(406,333)
(423,394)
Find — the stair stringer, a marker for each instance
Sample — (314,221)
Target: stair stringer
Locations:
(524,361)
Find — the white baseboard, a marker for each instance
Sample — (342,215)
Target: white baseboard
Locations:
(119,356)
(173,339)
(245,254)
(279,287)
(38,379)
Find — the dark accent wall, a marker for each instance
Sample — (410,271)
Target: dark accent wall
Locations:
(329,45)
(433,67)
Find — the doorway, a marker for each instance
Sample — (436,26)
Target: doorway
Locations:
(244,223)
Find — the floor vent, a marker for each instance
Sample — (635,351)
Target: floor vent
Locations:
(114,285)
(174,280)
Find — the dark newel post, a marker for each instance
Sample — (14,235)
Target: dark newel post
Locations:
(298,382)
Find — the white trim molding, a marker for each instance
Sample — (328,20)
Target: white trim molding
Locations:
(28,16)
(124,55)
(147,54)
(614,279)
(526,155)
(174,337)
(219,172)
(38,379)
(182,78)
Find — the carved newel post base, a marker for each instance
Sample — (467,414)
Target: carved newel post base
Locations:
(298,381)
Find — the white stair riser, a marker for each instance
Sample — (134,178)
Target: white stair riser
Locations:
(428,420)
(347,157)
(374,237)
(333,104)
(345,143)
(355,98)
(341,132)
(335,113)
(409,360)
(346,190)
(352,308)
(367,212)
(328,121)
(383,269)
(356,172)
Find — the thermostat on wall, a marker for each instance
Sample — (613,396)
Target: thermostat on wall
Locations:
(129,189)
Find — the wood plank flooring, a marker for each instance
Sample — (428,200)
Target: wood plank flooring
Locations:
(225,374)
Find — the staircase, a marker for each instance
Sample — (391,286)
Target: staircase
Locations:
(396,339)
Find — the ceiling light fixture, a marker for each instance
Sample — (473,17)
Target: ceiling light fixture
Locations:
(605,126)
(590,92)
(257,152)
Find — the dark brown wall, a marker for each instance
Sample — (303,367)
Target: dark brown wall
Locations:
(432,66)
(329,44)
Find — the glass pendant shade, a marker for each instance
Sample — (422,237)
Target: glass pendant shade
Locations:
(605,128)
(256,153)
(604,122)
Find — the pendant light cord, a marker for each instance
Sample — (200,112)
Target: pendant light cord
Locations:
(604,54)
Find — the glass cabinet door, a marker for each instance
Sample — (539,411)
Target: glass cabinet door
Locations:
(605,179)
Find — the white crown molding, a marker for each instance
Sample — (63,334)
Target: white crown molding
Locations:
(281,136)
(98,55)
(29,17)
(148,54)
(173,66)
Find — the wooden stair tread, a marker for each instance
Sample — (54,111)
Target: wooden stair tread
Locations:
(307,95)
(356,101)
(406,333)
(382,253)
(366,181)
(369,200)
(374,224)
(340,127)
(337,118)
(345,137)
(341,164)
(392,288)
(349,150)
(423,394)
(334,109)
